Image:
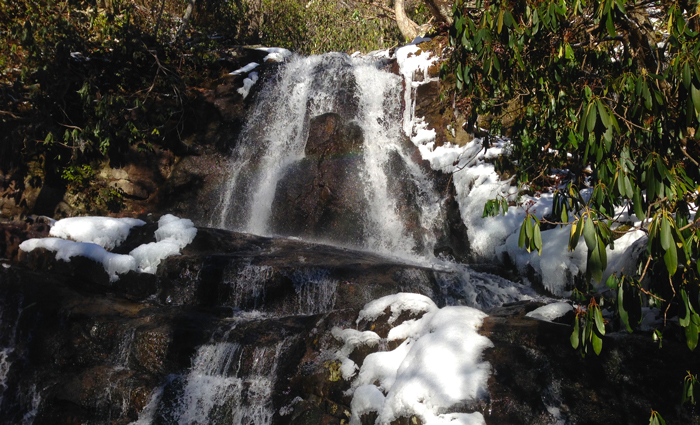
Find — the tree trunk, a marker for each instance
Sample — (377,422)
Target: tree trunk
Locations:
(408,28)
(185,19)
(441,10)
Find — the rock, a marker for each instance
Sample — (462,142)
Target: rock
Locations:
(247,321)
(319,197)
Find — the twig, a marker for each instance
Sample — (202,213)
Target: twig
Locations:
(645,269)
(670,281)
(10,114)
(70,126)
(690,157)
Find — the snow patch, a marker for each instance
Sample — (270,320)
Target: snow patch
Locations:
(106,232)
(437,366)
(246,69)
(550,312)
(248,83)
(96,233)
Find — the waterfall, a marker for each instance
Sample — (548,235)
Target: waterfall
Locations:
(218,389)
(275,137)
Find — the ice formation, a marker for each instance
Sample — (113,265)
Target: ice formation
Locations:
(437,366)
(97,233)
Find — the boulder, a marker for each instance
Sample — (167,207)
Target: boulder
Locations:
(320,196)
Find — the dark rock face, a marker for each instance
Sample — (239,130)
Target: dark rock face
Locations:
(537,378)
(239,327)
(321,195)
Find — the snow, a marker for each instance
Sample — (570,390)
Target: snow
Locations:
(94,234)
(550,312)
(106,232)
(437,366)
(352,339)
(397,304)
(275,54)
(495,239)
(367,398)
(248,83)
(114,264)
(246,69)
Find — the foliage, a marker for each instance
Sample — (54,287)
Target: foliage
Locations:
(610,91)
(691,389)
(308,27)
(90,194)
(656,419)
(87,83)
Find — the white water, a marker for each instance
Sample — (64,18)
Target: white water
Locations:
(275,137)
(279,123)
(217,390)
(247,283)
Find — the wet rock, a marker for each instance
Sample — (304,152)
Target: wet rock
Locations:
(320,197)
(537,377)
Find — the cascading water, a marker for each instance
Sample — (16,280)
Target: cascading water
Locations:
(217,389)
(275,138)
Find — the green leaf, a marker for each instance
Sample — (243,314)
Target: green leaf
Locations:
(629,193)
(610,26)
(597,343)
(575,234)
(671,260)
(611,282)
(646,95)
(590,124)
(528,227)
(637,203)
(604,117)
(666,237)
(691,336)
(686,75)
(589,234)
(598,317)
(538,239)
(695,94)
(574,338)
(594,265)
(523,236)
(685,320)
(603,255)
(621,309)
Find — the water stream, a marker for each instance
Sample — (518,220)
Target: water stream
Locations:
(275,137)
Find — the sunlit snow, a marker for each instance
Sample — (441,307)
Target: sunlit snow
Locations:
(436,367)
(96,233)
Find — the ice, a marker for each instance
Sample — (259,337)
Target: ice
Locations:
(106,232)
(437,367)
(556,266)
(550,312)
